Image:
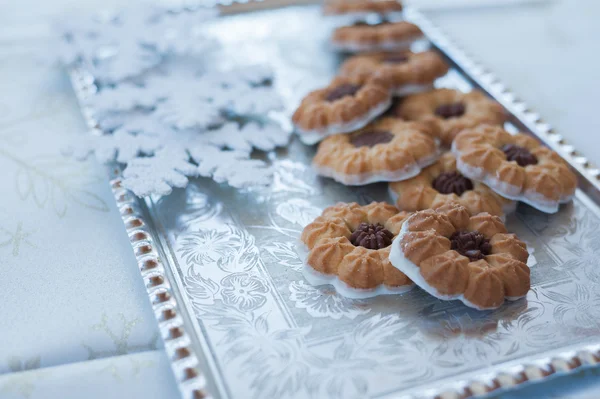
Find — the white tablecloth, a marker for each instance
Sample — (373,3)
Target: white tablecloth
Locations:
(75,317)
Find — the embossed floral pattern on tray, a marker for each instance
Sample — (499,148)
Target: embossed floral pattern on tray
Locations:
(311,342)
(272,335)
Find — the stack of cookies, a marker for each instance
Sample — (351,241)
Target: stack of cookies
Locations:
(452,169)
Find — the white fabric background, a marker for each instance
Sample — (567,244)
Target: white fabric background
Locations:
(70,287)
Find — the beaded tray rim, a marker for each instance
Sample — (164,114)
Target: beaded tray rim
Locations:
(169,307)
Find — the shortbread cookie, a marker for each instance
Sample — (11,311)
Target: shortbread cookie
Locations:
(362,8)
(384,36)
(347,104)
(405,72)
(452,110)
(441,183)
(348,247)
(385,150)
(453,255)
(515,166)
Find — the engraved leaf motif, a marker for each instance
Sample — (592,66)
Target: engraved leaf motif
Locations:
(577,311)
(261,324)
(374,334)
(557,297)
(285,254)
(331,381)
(298,211)
(344,387)
(206,247)
(201,290)
(289,178)
(281,376)
(324,301)
(196,207)
(235,325)
(237,351)
(294,333)
(232,251)
(246,255)
(467,341)
(585,253)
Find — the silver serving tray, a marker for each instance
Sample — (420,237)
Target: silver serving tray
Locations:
(239,321)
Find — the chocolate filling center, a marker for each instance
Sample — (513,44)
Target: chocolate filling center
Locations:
(452,182)
(371,236)
(448,111)
(371,138)
(396,58)
(342,91)
(471,244)
(520,155)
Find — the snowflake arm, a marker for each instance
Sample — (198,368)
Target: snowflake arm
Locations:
(120,146)
(168,168)
(188,111)
(232,167)
(166,114)
(124,97)
(265,138)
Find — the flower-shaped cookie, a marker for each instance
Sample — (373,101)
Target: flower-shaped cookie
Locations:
(453,255)
(385,150)
(349,246)
(515,166)
(347,104)
(405,72)
(441,183)
(384,36)
(452,110)
(360,8)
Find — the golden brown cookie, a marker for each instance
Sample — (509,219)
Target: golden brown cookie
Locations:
(347,104)
(515,166)
(452,110)
(441,183)
(349,247)
(405,72)
(360,8)
(385,150)
(454,256)
(384,36)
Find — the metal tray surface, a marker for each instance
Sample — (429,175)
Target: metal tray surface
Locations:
(239,320)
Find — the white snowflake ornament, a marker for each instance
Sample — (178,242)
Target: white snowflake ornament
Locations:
(224,160)
(118,67)
(158,174)
(188,111)
(182,33)
(167,109)
(250,101)
(120,146)
(244,139)
(124,97)
(265,138)
(231,167)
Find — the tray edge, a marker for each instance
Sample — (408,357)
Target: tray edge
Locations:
(183,360)
(191,380)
